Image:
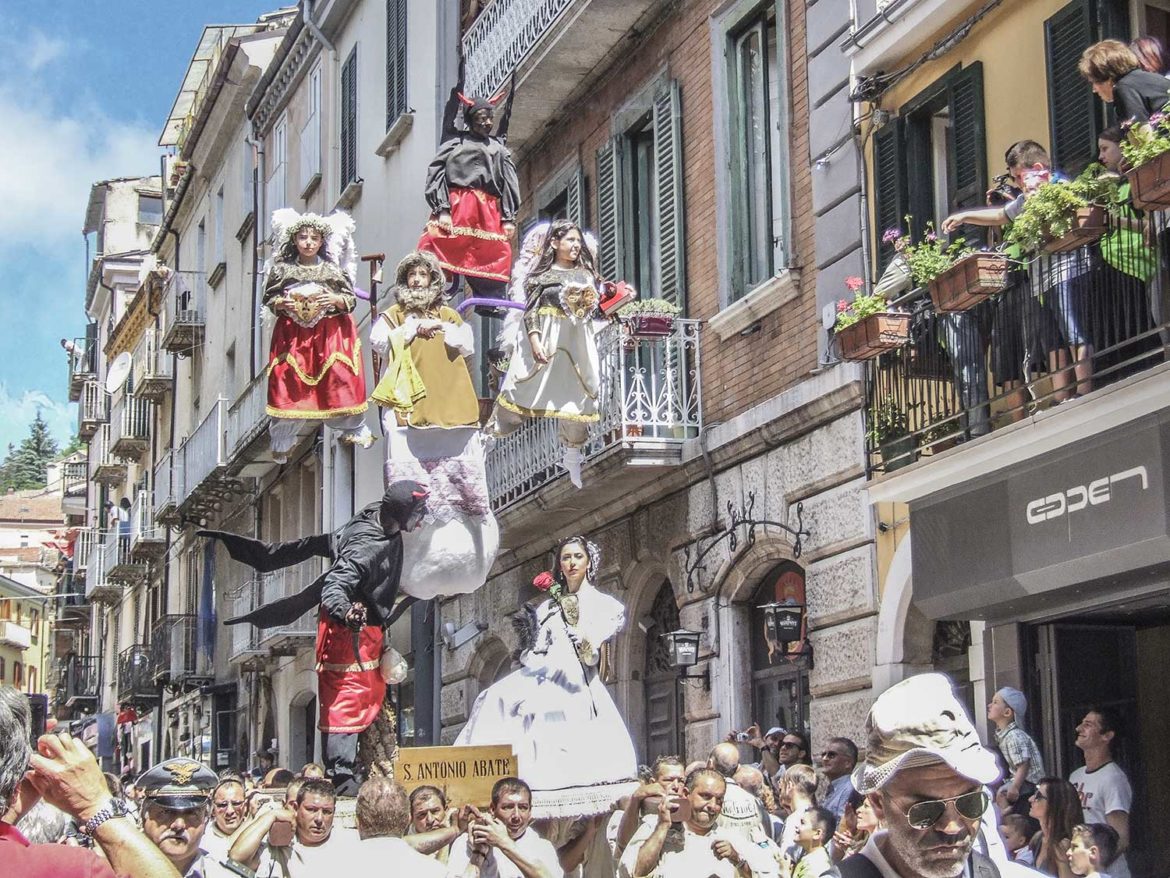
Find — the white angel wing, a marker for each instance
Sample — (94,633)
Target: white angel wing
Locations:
(281,220)
(530,252)
(341,243)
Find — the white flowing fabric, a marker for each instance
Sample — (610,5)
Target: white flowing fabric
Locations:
(571,743)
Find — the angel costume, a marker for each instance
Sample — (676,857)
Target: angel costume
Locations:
(315,360)
(561,308)
(571,743)
(431,422)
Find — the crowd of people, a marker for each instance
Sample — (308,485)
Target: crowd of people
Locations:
(927,799)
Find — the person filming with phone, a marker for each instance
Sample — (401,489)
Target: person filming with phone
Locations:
(684,841)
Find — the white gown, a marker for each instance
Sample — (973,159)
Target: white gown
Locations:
(572,745)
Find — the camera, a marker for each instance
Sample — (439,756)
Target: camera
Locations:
(38,713)
(742,737)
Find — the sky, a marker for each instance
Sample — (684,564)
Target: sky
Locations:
(86,89)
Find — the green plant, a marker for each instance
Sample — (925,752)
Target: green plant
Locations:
(1146,140)
(931,256)
(1049,212)
(887,421)
(657,307)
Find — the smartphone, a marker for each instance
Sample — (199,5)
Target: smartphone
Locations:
(680,809)
(38,713)
(742,737)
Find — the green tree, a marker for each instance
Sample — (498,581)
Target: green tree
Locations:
(25,466)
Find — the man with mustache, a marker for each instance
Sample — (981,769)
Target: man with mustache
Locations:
(926,775)
(176,794)
(500,844)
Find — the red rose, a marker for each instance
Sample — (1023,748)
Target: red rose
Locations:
(544,581)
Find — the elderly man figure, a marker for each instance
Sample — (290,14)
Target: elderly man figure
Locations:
(176,795)
(925,775)
(306,855)
(741,810)
(383,815)
(66,775)
(700,848)
(838,760)
(501,844)
(229,808)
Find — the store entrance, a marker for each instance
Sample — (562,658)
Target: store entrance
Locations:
(1115,656)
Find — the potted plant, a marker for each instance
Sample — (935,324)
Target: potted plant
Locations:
(865,326)
(1064,215)
(1146,149)
(888,432)
(649,318)
(957,276)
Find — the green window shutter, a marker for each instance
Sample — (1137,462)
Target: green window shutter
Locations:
(349,119)
(575,197)
(395,60)
(668,185)
(968,158)
(889,187)
(1072,110)
(609,209)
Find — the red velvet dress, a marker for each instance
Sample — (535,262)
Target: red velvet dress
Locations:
(315,361)
(350,688)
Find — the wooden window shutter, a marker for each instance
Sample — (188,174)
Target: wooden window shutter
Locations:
(968,172)
(575,197)
(1072,110)
(349,119)
(889,187)
(609,209)
(395,60)
(668,184)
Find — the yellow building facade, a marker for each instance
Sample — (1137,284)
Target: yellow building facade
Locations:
(25,631)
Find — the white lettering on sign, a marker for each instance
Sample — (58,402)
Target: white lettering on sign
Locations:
(1077,498)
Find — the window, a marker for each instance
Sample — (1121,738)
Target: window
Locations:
(311,135)
(639,200)
(200,259)
(32,679)
(275,193)
(217,229)
(248,170)
(395,60)
(17,675)
(34,624)
(3,673)
(779,682)
(349,119)
(757,149)
(150,208)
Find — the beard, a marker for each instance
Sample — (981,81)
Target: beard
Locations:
(926,854)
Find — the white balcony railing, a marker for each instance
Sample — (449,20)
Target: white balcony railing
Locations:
(245,639)
(83,549)
(167,484)
(152,367)
(248,416)
(74,475)
(94,408)
(285,583)
(203,452)
(116,551)
(502,37)
(649,399)
(14,635)
(130,423)
(81,365)
(144,533)
(107,469)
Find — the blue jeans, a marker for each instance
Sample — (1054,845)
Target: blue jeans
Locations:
(964,343)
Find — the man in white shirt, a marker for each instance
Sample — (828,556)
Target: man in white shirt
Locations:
(501,844)
(383,815)
(174,814)
(229,807)
(1105,791)
(308,853)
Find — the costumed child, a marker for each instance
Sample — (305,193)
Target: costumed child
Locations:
(571,743)
(355,604)
(315,361)
(474,193)
(431,422)
(555,368)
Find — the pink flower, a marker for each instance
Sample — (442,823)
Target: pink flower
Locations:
(544,581)
(854,283)
(891,235)
(931,236)
(842,306)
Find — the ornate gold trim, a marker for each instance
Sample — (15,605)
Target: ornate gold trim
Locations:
(354,363)
(350,668)
(315,415)
(547,413)
(467,231)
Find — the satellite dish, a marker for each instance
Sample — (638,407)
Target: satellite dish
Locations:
(119,371)
(828,316)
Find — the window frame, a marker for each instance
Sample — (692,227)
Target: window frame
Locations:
(348,117)
(397,60)
(311,131)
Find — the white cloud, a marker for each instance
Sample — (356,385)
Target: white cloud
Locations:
(40,50)
(17,412)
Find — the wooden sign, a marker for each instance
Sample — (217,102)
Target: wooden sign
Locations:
(465,774)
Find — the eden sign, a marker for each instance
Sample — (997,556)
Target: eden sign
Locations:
(1079,497)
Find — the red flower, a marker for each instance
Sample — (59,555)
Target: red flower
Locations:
(854,283)
(544,581)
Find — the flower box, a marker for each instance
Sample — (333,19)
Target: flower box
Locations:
(651,325)
(1149,183)
(969,281)
(874,334)
(1087,226)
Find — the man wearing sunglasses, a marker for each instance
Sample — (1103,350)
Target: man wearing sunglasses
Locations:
(229,807)
(925,775)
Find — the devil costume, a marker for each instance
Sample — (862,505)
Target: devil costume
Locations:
(367,565)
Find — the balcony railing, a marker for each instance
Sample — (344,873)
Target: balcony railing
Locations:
(963,375)
(72,604)
(99,586)
(94,408)
(175,652)
(130,425)
(204,460)
(247,419)
(649,403)
(185,320)
(121,566)
(245,639)
(83,550)
(168,487)
(152,367)
(14,635)
(285,583)
(74,475)
(136,676)
(77,679)
(108,469)
(147,539)
(82,366)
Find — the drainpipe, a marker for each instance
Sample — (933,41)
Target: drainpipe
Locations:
(257,175)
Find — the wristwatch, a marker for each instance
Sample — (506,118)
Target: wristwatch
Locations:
(113,808)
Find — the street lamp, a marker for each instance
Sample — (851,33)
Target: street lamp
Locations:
(784,624)
(682,649)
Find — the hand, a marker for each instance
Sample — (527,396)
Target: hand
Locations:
(68,777)
(841,840)
(444,221)
(427,328)
(281,813)
(538,353)
(462,817)
(490,832)
(356,617)
(509,229)
(664,811)
(754,736)
(724,850)
(952,222)
(647,790)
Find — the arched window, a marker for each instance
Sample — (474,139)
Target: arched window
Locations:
(779,678)
(663,703)
(17,675)
(32,679)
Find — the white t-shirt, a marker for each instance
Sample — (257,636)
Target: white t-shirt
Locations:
(689,855)
(321,861)
(1104,791)
(531,846)
(390,852)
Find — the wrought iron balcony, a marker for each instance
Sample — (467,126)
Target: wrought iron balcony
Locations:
(247,422)
(98,585)
(552,45)
(168,487)
(175,650)
(184,315)
(285,583)
(121,566)
(77,680)
(72,604)
(130,425)
(136,676)
(649,403)
(108,469)
(15,635)
(152,367)
(82,366)
(93,410)
(205,481)
(147,539)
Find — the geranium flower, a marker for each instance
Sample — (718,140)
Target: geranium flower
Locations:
(853,283)
(842,305)
(889,236)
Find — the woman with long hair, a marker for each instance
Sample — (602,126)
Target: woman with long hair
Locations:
(1057,806)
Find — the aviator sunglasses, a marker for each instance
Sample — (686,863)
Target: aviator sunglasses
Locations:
(923,815)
